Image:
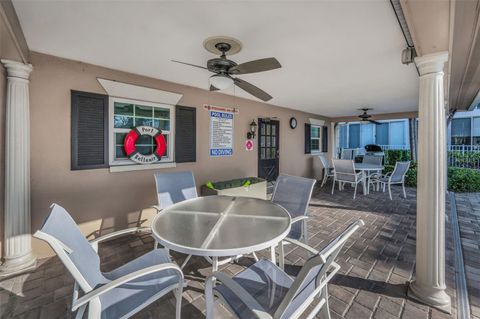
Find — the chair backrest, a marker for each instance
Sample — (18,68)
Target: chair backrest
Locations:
(175,187)
(324,161)
(399,171)
(293,193)
(61,232)
(344,170)
(347,154)
(372,159)
(313,274)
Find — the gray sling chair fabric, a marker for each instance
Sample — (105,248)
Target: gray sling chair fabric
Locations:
(293,193)
(174,187)
(265,291)
(344,172)
(395,177)
(327,170)
(116,294)
(375,160)
(347,154)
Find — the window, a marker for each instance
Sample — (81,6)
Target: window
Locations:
(476,131)
(381,134)
(367,134)
(354,136)
(127,114)
(343,136)
(461,130)
(397,133)
(315,138)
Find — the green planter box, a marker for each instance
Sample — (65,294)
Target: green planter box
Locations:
(256,188)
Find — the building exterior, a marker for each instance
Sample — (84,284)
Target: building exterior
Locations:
(464,129)
(389,134)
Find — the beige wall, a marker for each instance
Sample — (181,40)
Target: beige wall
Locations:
(115,199)
(8,50)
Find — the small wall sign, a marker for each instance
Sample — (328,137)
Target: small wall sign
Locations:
(249,145)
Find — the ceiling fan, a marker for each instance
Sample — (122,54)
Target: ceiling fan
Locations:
(225,68)
(365,117)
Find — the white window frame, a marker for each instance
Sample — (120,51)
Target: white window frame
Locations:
(319,138)
(111,132)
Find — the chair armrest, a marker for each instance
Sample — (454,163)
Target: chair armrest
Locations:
(94,242)
(157,208)
(239,291)
(301,245)
(299,218)
(122,280)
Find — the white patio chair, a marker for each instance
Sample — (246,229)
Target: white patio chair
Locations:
(395,177)
(294,193)
(344,172)
(327,170)
(116,294)
(174,187)
(265,291)
(375,160)
(347,154)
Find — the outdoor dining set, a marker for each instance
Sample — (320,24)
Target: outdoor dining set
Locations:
(220,229)
(368,172)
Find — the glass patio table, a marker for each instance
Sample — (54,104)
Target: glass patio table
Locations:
(364,168)
(221,226)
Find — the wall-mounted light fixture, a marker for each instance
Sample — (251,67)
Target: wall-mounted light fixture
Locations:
(253,129)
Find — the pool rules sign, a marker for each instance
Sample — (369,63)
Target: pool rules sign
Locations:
(221,133)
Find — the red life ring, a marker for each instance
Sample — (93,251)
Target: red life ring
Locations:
(131,149)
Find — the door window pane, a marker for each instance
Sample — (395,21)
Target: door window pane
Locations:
(144,111)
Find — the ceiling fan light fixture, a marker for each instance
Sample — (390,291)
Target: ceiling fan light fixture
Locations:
(221,81)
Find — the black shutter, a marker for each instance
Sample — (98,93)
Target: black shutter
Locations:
(308,132)
(185,134)
(325,139)
(89,130)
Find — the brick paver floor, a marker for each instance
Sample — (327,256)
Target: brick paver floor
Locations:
(468,210)
(377,264)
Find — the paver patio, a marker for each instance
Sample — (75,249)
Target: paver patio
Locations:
(377,263)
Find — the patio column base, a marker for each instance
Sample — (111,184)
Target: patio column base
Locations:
(436,298)
(17,245)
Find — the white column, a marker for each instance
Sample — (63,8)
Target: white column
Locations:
(429,284)
(17,243)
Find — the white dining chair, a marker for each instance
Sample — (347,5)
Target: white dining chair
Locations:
(265,291)
(120,293)
(396,177)
(344,172)
(327,170)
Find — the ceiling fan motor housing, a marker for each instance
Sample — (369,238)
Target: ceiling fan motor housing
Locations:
(220,65)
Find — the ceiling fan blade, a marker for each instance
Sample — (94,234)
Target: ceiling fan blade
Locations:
(374,122)
(261,65)
(252,89)
(212,88)
(194,65)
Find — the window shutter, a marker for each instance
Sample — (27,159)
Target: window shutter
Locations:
(185,134)
(89,130)
(325,139)
(308,132)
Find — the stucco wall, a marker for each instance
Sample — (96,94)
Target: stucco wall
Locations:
(101,199)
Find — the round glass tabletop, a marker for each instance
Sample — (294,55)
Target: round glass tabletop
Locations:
(221,226)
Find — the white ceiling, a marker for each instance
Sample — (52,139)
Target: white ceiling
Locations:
(337,56)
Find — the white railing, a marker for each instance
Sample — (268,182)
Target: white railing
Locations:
(466,156)
(395,147)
